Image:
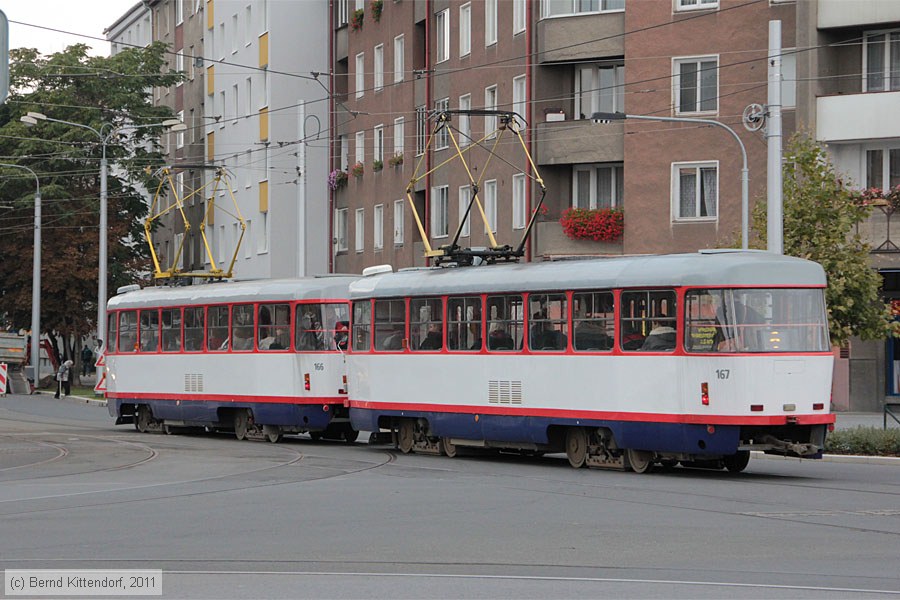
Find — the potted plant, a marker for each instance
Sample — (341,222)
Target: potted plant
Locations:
(356,19)
(599,225)
(377,7)
(358,169)
(396,160)
(337,179)
(377,165)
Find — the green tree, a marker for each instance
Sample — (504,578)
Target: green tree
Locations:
(820,218)
(104,93)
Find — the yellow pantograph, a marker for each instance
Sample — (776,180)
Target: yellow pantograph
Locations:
(159,208)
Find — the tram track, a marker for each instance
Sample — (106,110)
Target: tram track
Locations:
(62,452)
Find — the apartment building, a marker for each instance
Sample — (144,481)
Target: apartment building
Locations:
(132,29)
(848,94)
(555,63)
(266,124)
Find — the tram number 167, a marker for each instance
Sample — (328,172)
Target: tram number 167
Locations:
(723,373)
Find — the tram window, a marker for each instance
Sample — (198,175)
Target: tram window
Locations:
(310,333)
(548,327)
(217,330)
(274,327)
(242,327)
(362,323)
(335,320)
(390,325)
(426,324)
(505,316)
(111,330)
(593,321)
(756,320)
(149,330)
(648,321)
(171,329)
(464,324)
(193,329)
(128,331)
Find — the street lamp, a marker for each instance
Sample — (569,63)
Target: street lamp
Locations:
(36,280)
(105,133)
(606,117)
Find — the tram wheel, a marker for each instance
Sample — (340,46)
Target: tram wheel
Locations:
(737,462)
(641,461)
(448,448)
(576,446)
(272,433)
(241,424)
(143,419)
(315,435)
(350,435)
(406,436)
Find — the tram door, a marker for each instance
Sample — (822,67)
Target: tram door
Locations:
(893,364)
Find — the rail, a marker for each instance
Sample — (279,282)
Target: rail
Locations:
(889,410)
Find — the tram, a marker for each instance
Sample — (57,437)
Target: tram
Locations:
(260,358)
(625,362)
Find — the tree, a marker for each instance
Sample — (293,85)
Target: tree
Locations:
(820,219)
(103,93)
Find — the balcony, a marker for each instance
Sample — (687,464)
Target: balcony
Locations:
(552,241)
(853,117)
(575,142)
(560,38)
(856,13)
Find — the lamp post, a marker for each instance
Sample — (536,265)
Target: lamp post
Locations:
(605,117)
(36,279)
(104,134)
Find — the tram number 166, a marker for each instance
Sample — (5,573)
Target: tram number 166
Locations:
(319,366)
(723,373)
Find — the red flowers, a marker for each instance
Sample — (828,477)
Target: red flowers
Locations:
(600,225)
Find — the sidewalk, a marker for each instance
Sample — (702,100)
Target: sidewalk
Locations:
(94,400)
(849,420)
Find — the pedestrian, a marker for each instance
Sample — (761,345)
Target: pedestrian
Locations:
(87,356)
(63,379)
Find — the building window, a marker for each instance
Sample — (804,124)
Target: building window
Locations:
(490,204)
(340,228)
(519,105)
(518,16)
(398,59)
(518,194)
(249,104)
(191,65)
(465,29)
(360,147)
(696,82)
(490,103)
(881,61)
(439,211)
(561,8)
(179,135)
(378,150)
(490,22)
(695,190)
(696,4)
(360,230)
(465,196)
(398,136)
(343,13)
(179,12)
(442,32)
(262,240)
(378,231)
(234,33)
(597,186)
(421,130)
(398,222)
(344,158)
(465,121)
(599,88)
(379,67)
(179,64)
(360,74)
(248,25)
(442,138)
(883,168)
(235,103)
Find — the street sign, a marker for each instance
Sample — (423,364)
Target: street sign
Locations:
(4,57)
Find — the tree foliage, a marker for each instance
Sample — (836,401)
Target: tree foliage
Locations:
(820,219)
(107,94)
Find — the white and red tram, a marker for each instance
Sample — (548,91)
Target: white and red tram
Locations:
(259,357)
(622,362)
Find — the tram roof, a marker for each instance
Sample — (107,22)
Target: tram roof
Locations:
(709,268)
(265,290)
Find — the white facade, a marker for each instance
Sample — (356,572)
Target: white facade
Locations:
(134,28)
(266,121)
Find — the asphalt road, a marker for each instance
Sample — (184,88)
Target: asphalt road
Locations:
(229,519)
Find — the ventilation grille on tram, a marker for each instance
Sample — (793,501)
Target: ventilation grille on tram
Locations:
(193,382)
(505,392)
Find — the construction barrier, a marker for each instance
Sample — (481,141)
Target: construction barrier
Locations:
(101,383)
(4,374)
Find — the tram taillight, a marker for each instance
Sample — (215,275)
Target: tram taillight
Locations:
(704,393)
(306,381)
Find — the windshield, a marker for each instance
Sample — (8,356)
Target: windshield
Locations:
(756,320)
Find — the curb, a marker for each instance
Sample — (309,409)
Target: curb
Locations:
(76,399)
(836,458)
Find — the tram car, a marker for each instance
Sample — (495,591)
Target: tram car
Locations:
(621,363)
(259,358)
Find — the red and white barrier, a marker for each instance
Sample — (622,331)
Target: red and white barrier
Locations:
(4,374)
